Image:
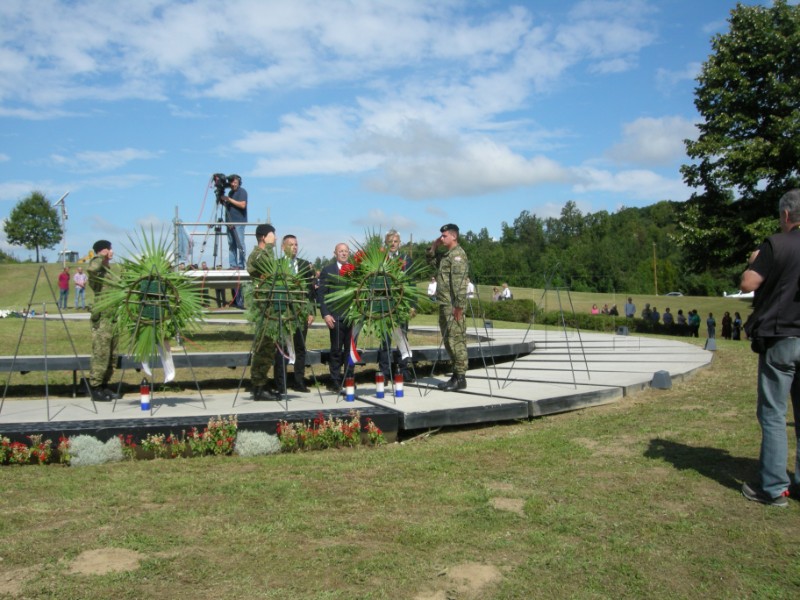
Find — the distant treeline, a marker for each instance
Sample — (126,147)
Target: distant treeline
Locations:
(595,252)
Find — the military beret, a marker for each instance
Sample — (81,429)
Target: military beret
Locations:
(101,245)
(449,227)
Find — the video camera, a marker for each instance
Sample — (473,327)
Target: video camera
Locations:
(221,183)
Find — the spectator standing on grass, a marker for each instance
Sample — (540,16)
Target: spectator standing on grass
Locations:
(506,293)
(646,312)
(773,273)
(736,330)
(727,322)
(80,280)
(667,317)
(655,316)
(694,321)
(63,288)
(711,325)
(630,308)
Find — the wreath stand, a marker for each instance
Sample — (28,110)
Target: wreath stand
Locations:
(271,305)
(563,323)
(44,344)
(153,303)
(378,303)
(486,327)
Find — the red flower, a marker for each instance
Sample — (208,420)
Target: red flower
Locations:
(346,269)
(359,256)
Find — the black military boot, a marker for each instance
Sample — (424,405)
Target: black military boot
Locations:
(99,394)
(111,393)
(260,393)
(456,382)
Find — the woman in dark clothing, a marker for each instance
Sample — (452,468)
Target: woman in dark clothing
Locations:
(727,324)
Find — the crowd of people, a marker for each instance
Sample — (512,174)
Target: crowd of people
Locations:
(679,323)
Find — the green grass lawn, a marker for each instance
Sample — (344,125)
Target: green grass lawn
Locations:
(636,499)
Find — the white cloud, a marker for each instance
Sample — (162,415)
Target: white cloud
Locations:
(93,161)
(666,80)
(378,219)
(4,157)
(639,184)
(476,168)
(653,141)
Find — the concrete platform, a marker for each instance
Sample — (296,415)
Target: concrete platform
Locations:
(562,373)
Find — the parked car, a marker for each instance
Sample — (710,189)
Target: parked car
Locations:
(673,294)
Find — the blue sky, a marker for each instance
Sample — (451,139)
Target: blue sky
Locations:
(343,117)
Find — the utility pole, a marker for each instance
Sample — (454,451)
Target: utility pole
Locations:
(655,271)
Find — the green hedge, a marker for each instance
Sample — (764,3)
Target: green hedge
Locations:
(523,311)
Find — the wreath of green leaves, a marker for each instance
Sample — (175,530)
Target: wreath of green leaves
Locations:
(277,299)
(149,301)
(374,290)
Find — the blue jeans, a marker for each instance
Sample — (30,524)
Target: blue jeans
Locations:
(778,378)
(80,297)
(236,250)
(62,298)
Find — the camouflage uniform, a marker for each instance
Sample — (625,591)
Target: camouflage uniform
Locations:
(452,268)
(264,349)
(104,340)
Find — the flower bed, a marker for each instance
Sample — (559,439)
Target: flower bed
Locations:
(220,437)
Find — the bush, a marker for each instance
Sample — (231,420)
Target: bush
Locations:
(256,443)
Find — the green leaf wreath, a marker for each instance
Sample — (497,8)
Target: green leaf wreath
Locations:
(374,291)
(277,300)
(149,300)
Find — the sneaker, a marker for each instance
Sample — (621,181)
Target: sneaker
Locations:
(756,494)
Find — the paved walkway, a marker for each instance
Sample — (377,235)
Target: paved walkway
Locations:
(564,372)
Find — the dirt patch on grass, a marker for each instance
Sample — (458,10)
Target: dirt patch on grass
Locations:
(467,580)
(105,560)
(624,445)
(514,505)
(11,581)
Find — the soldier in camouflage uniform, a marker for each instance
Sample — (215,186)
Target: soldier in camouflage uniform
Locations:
(452,268)
(264,349)
(104,341)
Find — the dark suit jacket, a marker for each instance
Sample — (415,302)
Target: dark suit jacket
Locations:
(326,278)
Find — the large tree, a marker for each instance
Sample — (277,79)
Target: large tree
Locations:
(747,95)
(34,223)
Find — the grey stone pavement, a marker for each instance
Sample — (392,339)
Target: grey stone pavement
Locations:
(565,371)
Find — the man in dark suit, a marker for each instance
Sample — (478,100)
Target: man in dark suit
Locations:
(305,270)
(392,244)
(338,329)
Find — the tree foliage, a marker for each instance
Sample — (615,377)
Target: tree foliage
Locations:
(598,252)
(34,224)
(747,95)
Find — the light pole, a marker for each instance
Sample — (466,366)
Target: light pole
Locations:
(63,227)
(655,271)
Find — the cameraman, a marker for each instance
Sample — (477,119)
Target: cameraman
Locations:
(236,212)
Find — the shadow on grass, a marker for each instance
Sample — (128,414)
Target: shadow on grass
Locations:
(714,463)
